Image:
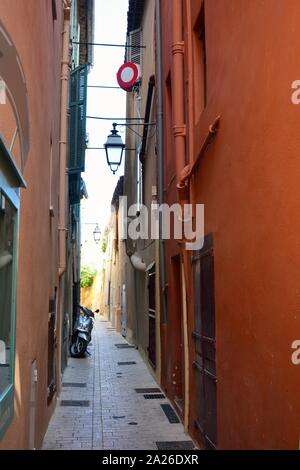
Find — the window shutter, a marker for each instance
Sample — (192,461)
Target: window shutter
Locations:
(74,188)
(77,127)
(135,53)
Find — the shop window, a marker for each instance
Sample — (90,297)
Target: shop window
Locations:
(10,181)
(7,244)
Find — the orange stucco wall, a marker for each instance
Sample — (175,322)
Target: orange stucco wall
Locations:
(248,180)
(38,41)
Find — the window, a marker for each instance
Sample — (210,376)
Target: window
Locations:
(54,11)
(200,78)
(7,246)
(75,34)
(10,181)
(134,51)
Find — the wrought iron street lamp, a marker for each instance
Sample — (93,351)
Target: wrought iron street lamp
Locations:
(114,148)
(97,234)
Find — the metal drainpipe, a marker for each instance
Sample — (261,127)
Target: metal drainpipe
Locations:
(63,141)
(62,181)
(179,132)
(160,154)
(179,127)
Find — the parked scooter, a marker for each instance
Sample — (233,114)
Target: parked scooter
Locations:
(82,332)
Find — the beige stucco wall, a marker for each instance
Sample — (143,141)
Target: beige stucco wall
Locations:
(137,281)
(38,41)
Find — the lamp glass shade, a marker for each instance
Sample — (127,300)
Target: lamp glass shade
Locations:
(97,234)
(114,148)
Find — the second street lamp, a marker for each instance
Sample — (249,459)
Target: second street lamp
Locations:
(97,234)
(114,148)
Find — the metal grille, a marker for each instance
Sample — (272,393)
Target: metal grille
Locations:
(124,346)
(128,363)
(85,403)
(147,390)
(155,396)
(175,445)
(74,384)
(170,413)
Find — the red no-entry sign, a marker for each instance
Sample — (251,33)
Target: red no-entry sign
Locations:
(128,74)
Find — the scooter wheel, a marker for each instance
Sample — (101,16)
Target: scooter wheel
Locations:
(78,348)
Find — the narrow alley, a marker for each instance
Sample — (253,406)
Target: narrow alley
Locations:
(149,228)
(109,400)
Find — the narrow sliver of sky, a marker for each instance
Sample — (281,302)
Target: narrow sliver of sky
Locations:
(110,27)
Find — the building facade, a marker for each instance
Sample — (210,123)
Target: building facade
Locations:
(113,266)
(140,187)
(35,61)
(81,36)
(225,137)
(130,291)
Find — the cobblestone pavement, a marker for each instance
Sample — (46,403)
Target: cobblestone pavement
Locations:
(115,416)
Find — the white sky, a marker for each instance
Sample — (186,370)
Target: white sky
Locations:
(110,27)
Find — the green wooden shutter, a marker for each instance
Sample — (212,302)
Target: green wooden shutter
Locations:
(77,127)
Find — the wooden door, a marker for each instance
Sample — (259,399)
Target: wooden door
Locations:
(205,344)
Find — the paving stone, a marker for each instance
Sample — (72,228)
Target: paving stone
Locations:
(110,395)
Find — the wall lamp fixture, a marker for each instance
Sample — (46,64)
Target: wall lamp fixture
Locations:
(96,231)
(114,146)
(97,234)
